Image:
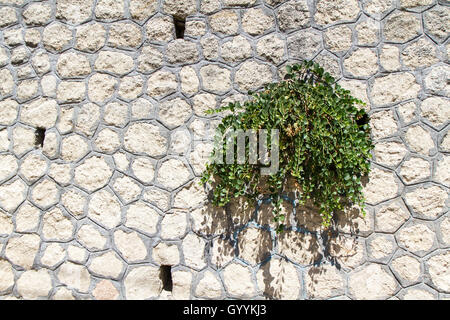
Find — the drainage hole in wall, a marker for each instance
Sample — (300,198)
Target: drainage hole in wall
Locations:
(180,25)
(39,137)
(165,274)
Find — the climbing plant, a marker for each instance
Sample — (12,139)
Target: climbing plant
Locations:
(324,143)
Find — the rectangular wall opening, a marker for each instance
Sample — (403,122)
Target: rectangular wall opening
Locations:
(39,137)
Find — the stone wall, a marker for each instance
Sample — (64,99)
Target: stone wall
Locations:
(103,138)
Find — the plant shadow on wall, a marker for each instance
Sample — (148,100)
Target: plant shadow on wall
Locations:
(287,167)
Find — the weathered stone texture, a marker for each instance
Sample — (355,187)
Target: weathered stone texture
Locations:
(91,237)
(173,173)
(420,54)
(390,58)
(401,27)
(37,13)
(105,290)
(252,76)
(283,282)
(34,284)
(300,248)
(104,208)
(6,275)
(56,37)
(56,226)
(389,153)
(382,186)
(324,282)
(93,173)
(336,11)
(74,11)
(194,251)
(442,174)
(90,37)
(361,63)
(209,286)
(436,80)
(407,267)
(238,281)
(136,141)
(338,39)
(182,51)
(215,78)
(225,22)
(304,44)
(74,276)
(417,238)
(393,88)
(257,22)
(130,245)
(142,283)
(436,110)
(438,269)
(22,250)
(390,217)
(414,170)
(254,245)
(427,202)
(436,22)
(419,140)
(174,113)
(166,254)
(53,255)
(107,265)
(347,251)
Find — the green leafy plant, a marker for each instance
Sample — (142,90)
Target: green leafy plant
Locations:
(324,143)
